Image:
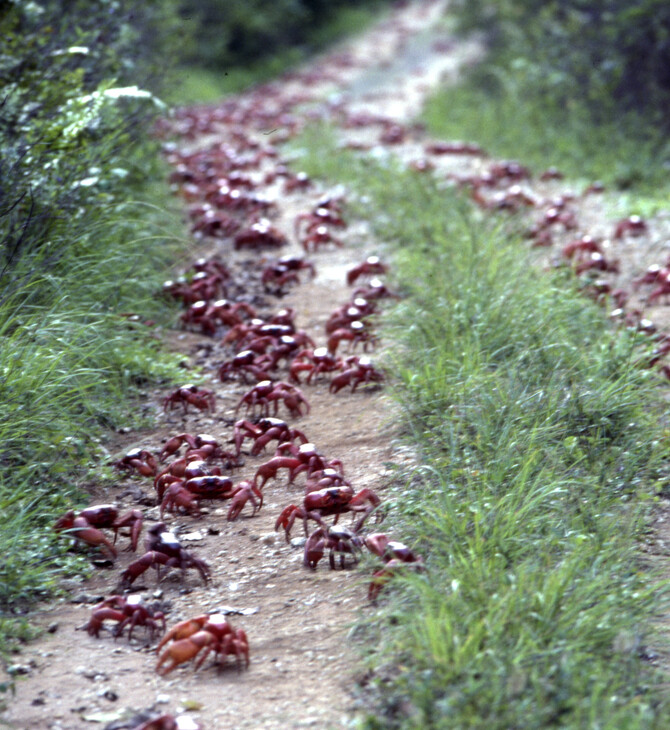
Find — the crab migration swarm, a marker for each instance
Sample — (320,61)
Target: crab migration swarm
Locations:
(228,299)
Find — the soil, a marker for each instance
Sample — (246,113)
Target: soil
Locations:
(303,654)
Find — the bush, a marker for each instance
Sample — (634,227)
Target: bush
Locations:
(242,32)
(613,55)
(76,252)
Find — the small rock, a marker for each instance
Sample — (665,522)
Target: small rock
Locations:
(86,598)
(270,538)
(15,669)
(52,628)
(108,694)
(70,584)
(192,536)
(162,699)
(298,542)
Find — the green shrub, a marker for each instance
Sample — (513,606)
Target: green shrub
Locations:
(240,33)
(78,250)
(612,55)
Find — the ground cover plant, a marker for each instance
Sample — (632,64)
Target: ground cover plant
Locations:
(83,243)
(540,446)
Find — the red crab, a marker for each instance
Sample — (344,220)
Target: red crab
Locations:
(654,273)
(304,458)
(85,525)
(314,362)
(181,291)
(143,461)
(360,370)
(508,170)
(200,398)
(262,431)
(662,287)
(325,214)
(244,492)
(176,497)
(126,611)
(208,316)
(245,332)
(284,271)
(632,226)
(337,540)
(210,486)
(163,548)
(356,310)
(371,266)
(355,333)
(581,246)
(246,362)
(392,134)
(298,181)
(454,148)
(263,393)
(395,555)
(261,234)
(168,722)
(202,445)
(319,236)
(213,223)
(188,467)
(596,262)
(376,289)
(331,501)
(202,635)
(323,478)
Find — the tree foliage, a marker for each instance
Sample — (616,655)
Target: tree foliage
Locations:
(71,111)
(243,31)
(612,54)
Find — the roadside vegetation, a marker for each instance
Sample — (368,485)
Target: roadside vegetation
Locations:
(541,450)
(581,86)
(84,245)
(538,432)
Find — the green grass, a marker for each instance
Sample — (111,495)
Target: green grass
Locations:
(540,451)
(623,152)
(73,368)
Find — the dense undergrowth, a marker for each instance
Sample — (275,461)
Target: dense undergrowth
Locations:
(581,86)
(83,245)
(540,448)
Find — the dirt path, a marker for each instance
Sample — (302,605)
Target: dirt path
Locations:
(302,657)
